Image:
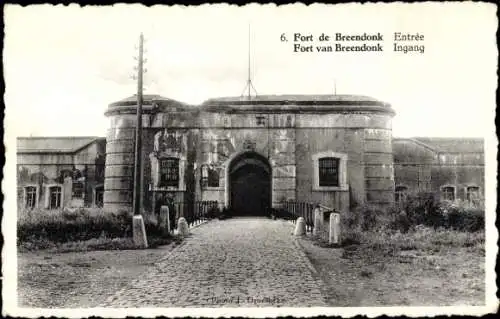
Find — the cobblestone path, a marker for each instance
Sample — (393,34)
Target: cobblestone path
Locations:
(240,262)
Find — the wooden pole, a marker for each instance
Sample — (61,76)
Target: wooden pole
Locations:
(138,134)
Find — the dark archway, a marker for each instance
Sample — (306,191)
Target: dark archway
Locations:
(250,185)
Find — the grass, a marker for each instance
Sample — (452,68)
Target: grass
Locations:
(83,230)
(421,253)
(422,267)
(102,243)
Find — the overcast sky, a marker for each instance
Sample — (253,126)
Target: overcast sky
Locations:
(64,65)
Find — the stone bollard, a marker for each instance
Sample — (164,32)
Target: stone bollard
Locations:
(334,233)
(139,232)
(164,220)
(300,227)
(318,221)
(182,227)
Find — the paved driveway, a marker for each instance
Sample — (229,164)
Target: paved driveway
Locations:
(240,262)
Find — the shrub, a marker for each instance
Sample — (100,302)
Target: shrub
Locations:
(424,209)
(463,218)
(80,224)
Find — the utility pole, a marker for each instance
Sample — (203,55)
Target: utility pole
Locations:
(138,228)
(138,133)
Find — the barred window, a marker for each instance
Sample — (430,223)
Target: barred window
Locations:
(30,197)
(261,120)
(328,171)
(54,197)
(213,177)
(400,193)
(448,193)
(77,189)
(169,172)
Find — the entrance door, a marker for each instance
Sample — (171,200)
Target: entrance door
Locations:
(250,187)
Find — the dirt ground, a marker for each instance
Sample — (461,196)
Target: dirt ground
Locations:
(357,277)
(51,280)
(352,277)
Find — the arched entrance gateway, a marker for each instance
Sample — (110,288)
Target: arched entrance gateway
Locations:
(249,184)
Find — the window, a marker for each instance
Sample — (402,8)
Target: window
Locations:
(261,120)
(448,193)
(30,197)
(54,197)
(328,171)
(99,196)
(213,177)
(400,193)
(77,191)
(472,194)
(169,172)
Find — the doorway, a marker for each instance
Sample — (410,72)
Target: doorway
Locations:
(250,185)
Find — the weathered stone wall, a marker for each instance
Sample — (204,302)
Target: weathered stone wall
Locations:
(365,139)
(120,141)
(459,170)
(45,169)
(378,161)
(412,166)
(287,137)
(420,168)
(223,136)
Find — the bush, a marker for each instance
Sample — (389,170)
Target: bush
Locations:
(424,209)
(421,211)
(464,219)
(39,226)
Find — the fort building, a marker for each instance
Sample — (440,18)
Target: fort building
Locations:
(249,154)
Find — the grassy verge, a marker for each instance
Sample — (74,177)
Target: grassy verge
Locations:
(422,267)
(420,253)
(83,230)
(102,243)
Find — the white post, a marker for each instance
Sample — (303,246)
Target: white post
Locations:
(164,219)
(139,232)
(334,233)
(318,221)
(182,227)
(300,227)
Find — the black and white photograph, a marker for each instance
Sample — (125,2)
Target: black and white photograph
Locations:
(257,160)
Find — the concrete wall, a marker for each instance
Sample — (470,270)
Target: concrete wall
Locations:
(288,140)
(421,168)
(46,169)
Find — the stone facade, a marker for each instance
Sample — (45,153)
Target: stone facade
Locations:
(248,150)
(451,168)
(289,133)
(56,172)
